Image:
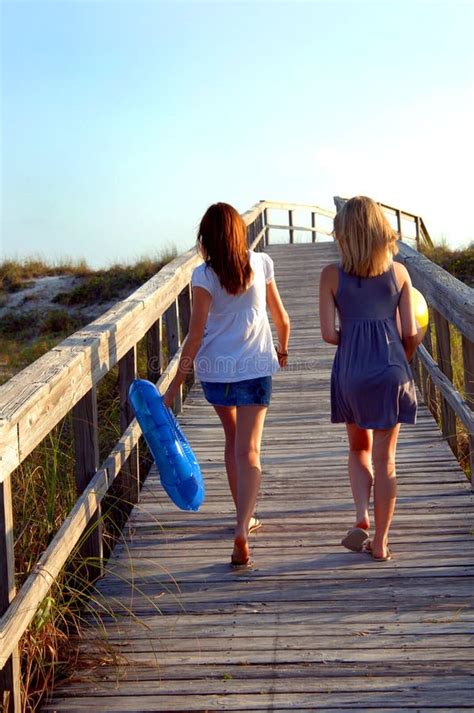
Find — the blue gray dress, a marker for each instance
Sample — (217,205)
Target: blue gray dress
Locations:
(371,382)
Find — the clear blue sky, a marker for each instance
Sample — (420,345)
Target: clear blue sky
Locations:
(123,120)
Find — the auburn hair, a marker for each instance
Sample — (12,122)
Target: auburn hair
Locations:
(222,240)
(365,238)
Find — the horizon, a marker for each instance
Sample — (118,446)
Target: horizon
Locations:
(122,121)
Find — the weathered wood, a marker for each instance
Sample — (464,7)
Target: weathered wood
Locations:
(311,624)
(450,297)
(86,463)
(37,398)
(443,353)
(399,224)
(184,310)
(276,205)
(290,223)
(267,229)
(302,228)
(313,227)
(173,343)
(10,673)
(154,339)
(418,232)
(23,607)
(468,368)
(9,450)
(129,483)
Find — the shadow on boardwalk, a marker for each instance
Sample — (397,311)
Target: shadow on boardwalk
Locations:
(311,627)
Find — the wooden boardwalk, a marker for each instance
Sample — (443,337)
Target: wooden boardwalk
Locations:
(312,626)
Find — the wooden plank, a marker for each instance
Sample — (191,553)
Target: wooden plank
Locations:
(129,482)
(443,353)
(154,352)
(313,227)
(301,228)
(86,463)
(309,622)
(173,343)
(291,230)
(276,205)
(10,667)
(449,296)
(184,311)
(9,448)
(23,607)
(468,368)
(448,392)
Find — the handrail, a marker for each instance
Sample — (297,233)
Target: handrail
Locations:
(451,297)
(34,401)
(422,235)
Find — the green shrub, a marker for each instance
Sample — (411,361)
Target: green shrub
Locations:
(106,285)
(459,263)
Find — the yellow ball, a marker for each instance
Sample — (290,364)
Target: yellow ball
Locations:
(421,311)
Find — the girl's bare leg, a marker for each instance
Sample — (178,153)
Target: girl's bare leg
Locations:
(360,471)
(385,489)
(228,417)
(250,421)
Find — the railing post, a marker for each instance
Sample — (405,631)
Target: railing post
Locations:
(313,225)
(10,701)
(292,232)
(418,231)
(399,223)
(154,338)
(429,391)
(86,445)
(267,229)
(129,482)
(468,365)
(184,310)
(172,340)
(443,349)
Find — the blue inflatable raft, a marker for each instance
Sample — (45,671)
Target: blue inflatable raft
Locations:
(180,473)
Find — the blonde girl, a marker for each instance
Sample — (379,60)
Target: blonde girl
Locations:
(231,344)
(372,388)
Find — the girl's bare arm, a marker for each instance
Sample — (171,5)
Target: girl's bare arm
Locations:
(327,304)
(410,334)
(197,323)
(280,319)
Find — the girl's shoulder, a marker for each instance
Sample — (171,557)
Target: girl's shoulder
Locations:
(402,275)
(203,276)
(330,272)
(261,258)
(330,277)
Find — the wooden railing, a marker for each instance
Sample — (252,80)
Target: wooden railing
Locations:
(64,381)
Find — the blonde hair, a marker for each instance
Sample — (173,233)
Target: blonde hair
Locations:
(366,240)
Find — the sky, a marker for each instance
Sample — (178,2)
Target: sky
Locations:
(123,120)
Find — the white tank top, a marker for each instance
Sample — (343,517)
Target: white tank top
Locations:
(237,342)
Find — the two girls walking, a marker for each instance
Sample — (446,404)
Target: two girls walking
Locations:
(372,391)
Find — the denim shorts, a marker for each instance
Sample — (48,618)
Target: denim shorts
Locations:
(250,392)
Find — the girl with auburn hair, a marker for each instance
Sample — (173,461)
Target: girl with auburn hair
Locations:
(231,344)
(372,389)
